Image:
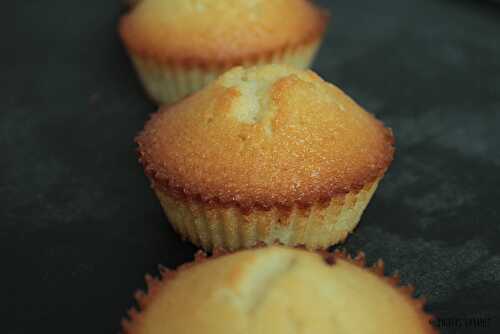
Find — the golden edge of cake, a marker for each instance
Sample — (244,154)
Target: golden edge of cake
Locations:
(168,72)
(233,212)
(252,282)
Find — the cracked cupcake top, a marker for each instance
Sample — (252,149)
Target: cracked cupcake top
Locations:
(262,137)
(278,290)
(207,31)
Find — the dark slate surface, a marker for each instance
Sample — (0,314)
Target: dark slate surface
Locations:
(80,226)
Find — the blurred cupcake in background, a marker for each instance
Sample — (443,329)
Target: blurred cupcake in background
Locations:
(177,46)
(278,290)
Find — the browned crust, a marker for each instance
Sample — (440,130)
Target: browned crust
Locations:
(154,284)
(172,142)
(222,63)
(167,184)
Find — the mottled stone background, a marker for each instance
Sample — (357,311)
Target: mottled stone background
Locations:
(80,227)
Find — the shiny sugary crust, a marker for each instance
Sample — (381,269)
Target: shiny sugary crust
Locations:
(133,324)
(222,34)
(262,138)
(227,228)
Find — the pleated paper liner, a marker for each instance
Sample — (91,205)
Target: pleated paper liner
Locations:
(228,228)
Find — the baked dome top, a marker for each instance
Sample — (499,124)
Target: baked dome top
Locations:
(208,31)
(278,290)
(265,136)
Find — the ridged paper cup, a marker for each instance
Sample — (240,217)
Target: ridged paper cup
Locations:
(317,227)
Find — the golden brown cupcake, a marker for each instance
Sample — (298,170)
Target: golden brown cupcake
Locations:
(177,46)
(278,290)
(266,154)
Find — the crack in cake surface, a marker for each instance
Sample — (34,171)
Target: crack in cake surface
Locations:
(257,279)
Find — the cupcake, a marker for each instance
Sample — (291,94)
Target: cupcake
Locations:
(277,290)
(265,154)
(177,46)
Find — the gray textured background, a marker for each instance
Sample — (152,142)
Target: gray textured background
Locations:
(80,227)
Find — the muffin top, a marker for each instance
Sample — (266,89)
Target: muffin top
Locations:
(222,31)
(278,290)
(262,137)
